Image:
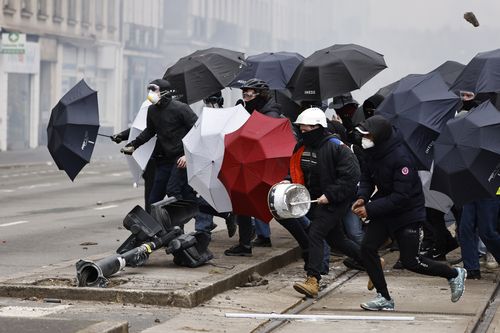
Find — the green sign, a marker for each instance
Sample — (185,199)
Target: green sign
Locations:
(13,43)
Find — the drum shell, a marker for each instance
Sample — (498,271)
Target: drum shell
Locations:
(279,197)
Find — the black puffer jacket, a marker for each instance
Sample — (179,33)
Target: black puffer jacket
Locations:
(170,120)
(390,168)
(336,174)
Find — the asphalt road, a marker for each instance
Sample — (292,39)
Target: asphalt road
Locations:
(47,219)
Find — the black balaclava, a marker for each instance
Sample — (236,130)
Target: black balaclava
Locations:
(313,137)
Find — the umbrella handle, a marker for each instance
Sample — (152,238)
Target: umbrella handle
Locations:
(303,202)
(108,136)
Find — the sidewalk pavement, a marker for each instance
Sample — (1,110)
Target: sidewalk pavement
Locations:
(104,149)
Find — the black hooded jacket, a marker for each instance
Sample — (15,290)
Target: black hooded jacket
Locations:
(170,121)
(399,199)
(336,173)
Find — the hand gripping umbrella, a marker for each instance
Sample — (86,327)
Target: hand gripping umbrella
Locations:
(204,150)
(481,74)
(276,68)
(257,156)
(72,129)
(204,73)
(467,156)
(419,107)
(335,70)
(139,160)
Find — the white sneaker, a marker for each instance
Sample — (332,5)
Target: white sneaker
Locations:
(491,263)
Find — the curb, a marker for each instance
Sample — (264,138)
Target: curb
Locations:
(177,298)
(107,327)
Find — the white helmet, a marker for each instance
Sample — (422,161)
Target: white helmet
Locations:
(312,116)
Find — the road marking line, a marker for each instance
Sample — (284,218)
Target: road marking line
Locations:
(6,191)
(29,187)
(30,312)
(106,207)
(12,223)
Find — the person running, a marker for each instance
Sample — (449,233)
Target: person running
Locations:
(396,209)
(330,171)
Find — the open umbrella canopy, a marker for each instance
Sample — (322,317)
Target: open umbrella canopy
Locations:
(333,71)
(257,156)
(204,149)
(289,107)
(467,156)
(72,129)
(276,68)
(419,107)
(434,199)
(204,73)
(481,74)
(139,160)
(449,71)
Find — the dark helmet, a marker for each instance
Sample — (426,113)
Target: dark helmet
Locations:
(215,99)
(256,84)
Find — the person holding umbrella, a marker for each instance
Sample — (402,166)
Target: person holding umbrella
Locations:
(256,97)
(330,171)
(396,210)
(169,120)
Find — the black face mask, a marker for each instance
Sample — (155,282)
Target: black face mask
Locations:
(255,104)
(313,137)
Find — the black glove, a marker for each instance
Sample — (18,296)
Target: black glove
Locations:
(127,150)
(116,138)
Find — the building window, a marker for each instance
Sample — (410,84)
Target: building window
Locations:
(8,7)
(26,8)
(111,16)
(71,12)
(57,11)
(41,10)
(99,15)
(86,14)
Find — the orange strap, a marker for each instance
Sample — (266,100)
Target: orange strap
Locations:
(295,170)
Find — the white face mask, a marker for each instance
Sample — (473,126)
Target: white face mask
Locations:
(367,143)
(153,97)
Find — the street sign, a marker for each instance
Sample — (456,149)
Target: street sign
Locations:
(13,43)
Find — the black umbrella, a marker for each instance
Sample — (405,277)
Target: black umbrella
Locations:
(72,129)
(481,75)
(204,73)
(333,71)
(275,68)
(289,107)
(467,156)
(449,70)
(419,107)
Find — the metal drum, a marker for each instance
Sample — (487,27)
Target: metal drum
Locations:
(281,199)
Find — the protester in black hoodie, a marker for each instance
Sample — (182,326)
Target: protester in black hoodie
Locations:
(330,171)
(396,209)
(170,120)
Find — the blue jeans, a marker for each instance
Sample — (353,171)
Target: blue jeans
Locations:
(262,229)
(481,215)
(172,181)
(353,227)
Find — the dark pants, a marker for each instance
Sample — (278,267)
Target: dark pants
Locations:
(172,181)
(245,229)
(149,178)
(408,238)
(480,215)
(326,225)
(298,231)
(442,238)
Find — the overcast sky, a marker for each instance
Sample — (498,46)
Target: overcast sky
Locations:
(416,36)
